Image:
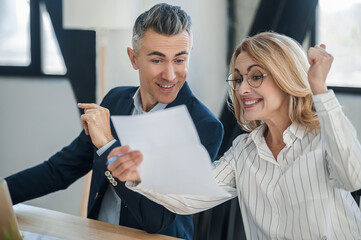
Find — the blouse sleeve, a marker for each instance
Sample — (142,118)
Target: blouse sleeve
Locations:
(341,147)
(188,204)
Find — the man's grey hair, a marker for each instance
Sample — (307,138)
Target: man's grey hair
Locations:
(164,19)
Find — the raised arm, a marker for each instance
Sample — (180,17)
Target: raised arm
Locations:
(342,149)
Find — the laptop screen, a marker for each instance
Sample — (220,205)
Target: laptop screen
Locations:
(8,225)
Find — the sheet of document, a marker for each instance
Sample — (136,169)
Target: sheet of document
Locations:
(174,160)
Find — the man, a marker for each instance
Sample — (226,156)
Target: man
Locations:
(162,41)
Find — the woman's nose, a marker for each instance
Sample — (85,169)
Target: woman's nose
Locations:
(244,87)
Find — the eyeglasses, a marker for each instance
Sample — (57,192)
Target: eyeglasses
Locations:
(254,79)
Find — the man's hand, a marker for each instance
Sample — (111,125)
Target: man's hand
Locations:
(320,62)
(125,166)
(96,123)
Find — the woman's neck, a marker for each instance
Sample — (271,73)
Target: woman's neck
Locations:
(274,136)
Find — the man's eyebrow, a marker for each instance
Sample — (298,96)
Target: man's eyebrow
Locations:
(181,53)
(156,53)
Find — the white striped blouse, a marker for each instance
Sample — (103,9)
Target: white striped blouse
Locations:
(303,194)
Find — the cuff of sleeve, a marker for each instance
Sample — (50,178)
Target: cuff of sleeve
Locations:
(325,102)
(105,147)
(132,184)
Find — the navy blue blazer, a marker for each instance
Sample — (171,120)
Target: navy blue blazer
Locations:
(79,157)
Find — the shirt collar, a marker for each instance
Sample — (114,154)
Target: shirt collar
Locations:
(257,135)
(293,132)
(138,104)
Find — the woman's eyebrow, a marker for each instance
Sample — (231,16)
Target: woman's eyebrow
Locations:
(249,68)
(253,65)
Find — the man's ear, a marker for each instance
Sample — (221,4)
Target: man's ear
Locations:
(133,58)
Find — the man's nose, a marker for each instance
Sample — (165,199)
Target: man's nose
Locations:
(168,72)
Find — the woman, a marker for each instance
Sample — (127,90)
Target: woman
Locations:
(294,171)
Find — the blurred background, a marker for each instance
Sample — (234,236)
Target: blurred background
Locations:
(55,53)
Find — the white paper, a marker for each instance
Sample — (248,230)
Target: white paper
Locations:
(174,160)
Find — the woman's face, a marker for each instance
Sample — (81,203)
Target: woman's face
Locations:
(267,102)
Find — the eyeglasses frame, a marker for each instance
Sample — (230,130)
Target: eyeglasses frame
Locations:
(248,79)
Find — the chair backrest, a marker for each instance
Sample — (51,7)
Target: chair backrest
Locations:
(83,211)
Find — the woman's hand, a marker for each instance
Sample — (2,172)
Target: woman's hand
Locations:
(320,62)
(124,167)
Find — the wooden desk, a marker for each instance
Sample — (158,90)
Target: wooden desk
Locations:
(61,225)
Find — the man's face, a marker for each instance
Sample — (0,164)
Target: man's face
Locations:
(162,62)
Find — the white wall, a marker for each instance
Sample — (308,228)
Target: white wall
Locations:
(38,118)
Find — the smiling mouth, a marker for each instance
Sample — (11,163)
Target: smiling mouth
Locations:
(248,103)
(166,86)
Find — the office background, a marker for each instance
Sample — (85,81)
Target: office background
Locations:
(38,101)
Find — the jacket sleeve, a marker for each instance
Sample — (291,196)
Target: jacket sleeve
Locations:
(57,173)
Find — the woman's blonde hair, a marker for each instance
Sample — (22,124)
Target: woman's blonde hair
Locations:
(285,60)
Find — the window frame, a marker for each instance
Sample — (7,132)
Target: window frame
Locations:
(35,66)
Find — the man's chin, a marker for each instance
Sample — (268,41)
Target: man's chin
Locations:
(167,100)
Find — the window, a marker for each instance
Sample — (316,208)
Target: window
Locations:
(52,59)
(28,42)
(14,33)
(340,29)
